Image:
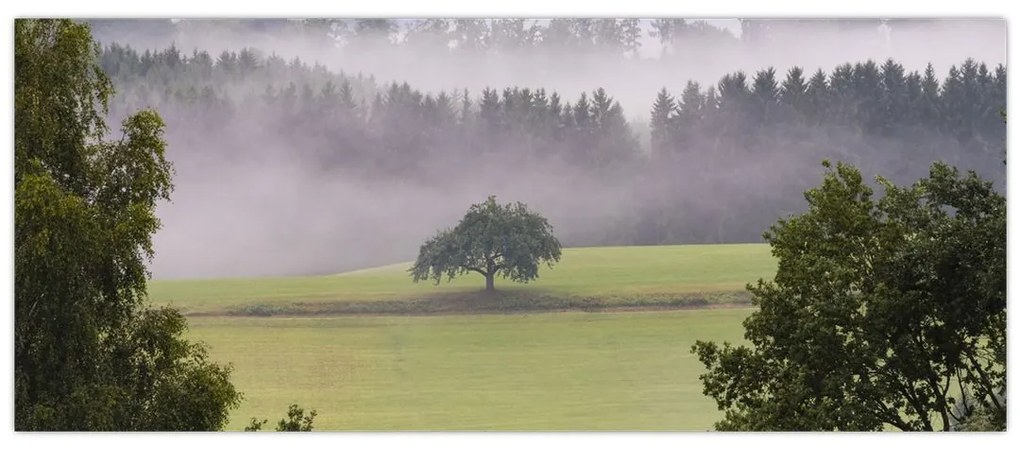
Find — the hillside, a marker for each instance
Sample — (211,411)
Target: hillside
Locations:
(585,279)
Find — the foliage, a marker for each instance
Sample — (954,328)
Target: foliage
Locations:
(88,354)
(492,239)
(255,425)
(296,421)
(883,312)
(981,417)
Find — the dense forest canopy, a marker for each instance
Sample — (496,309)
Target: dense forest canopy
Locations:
(354,169)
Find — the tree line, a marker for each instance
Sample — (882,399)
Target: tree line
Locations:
(578,36)
(881,100)
(750,141)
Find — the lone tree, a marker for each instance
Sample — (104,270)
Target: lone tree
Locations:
(888,312)
(491,239)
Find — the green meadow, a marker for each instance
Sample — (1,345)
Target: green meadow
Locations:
(600,342)
(608,275)
(547,371)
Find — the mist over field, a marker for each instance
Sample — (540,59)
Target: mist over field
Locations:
(284,216)
(271,181)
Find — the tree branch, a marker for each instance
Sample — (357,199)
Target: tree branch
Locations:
(477,270)
(985,382)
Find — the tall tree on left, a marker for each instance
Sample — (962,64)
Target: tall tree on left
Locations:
(89,354)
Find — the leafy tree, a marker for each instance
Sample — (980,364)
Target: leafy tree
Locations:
(630,30)
(88,354)
(510,35)
(879,310)
(296,421)
(470,34)
(492,239)
(666,30)
(679,37)
(374,31)
(255,425)
(428,34)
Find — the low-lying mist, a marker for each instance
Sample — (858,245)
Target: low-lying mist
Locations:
(280,216)
(253,196)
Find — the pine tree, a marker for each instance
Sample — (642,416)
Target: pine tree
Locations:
(895,98)
(867,93)
(930,99)
(662,123)
(465,108)
(843,100)
(953,101)
(765,96)
(601,103)
(915,95)
(793,95)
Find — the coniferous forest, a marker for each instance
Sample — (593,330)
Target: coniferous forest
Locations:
(713,162)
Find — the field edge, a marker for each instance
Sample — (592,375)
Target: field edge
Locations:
(481,302)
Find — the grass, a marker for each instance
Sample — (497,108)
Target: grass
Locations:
(584,279)
(551,371)
(358,351)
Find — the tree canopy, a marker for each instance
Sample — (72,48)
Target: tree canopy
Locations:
(88,353)
(492,239)
(888,312)
(296,421)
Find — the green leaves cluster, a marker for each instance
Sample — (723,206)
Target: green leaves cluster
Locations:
(886,312)
(508,240)
(89,355)
(296,421)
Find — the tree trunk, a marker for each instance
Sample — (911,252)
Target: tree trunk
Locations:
(488,282)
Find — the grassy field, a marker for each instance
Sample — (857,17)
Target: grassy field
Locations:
(548,371)
(649,275)
(362,355)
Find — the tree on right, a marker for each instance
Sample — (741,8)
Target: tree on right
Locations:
(884,313)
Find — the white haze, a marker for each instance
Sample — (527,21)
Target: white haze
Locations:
(942,43)
(269,214)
